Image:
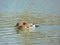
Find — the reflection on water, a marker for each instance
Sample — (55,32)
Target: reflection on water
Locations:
(44,35)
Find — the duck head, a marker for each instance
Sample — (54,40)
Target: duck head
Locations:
(36,25)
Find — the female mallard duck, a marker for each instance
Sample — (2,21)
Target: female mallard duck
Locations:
(26,27)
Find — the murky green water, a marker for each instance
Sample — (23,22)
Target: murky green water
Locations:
(43,35)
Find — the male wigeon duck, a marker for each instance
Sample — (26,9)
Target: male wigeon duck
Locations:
(26,27)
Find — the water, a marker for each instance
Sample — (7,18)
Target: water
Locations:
(43,35)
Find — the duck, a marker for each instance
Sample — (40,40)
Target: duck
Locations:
(26,27)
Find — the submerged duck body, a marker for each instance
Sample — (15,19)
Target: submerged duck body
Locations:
(26,27)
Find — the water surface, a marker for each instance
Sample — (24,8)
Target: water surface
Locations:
(43,35)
